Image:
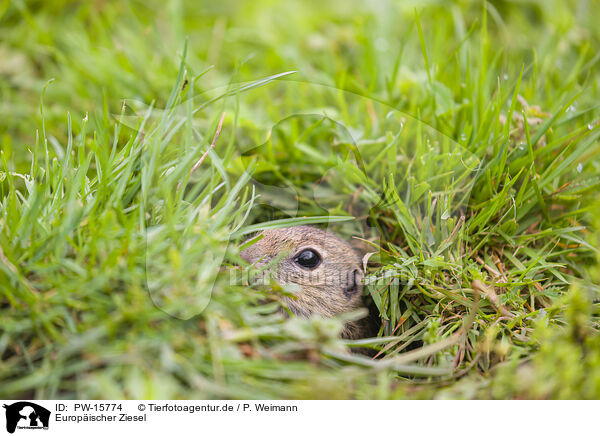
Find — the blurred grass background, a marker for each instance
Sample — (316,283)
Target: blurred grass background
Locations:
(102,219)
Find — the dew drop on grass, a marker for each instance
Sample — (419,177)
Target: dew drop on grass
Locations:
(505,77)
(463,137)
(541,314)
(579,167)
(590,126)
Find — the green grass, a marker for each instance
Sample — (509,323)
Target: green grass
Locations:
(461,140)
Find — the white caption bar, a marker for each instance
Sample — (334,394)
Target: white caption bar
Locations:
(23,417)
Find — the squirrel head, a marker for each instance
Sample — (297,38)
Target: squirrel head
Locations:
(324,267)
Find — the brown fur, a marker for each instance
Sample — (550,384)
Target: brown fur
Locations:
(332,288)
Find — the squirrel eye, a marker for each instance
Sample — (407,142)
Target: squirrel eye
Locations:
(308,258)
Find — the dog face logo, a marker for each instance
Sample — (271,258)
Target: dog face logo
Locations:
(26,415)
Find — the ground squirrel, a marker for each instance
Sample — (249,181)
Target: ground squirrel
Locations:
(325,268)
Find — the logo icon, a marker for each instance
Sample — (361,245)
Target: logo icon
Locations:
(26,415)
